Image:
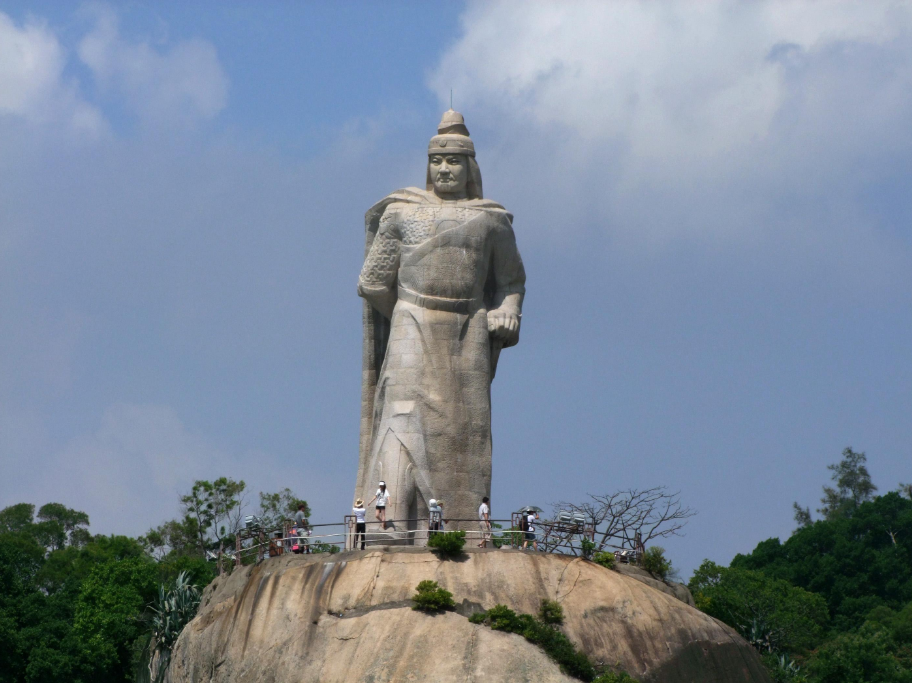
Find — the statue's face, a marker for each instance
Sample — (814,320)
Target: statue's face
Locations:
(449,173)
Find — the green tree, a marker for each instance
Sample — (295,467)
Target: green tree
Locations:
(72,524)
(868,656)
(106,619)
(853,486)
(217,508)
(655,562)
(16,518)
(275,508)
(771,613)
(856,563)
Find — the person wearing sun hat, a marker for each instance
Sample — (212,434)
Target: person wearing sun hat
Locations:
(360,523)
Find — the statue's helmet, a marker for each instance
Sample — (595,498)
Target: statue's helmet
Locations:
(453,138)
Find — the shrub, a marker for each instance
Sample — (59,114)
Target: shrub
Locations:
(655,562)
(551,612)
(555,644)
(604,559)
(448,543)
(587,547)
(621,677)
(783,669)
(770,613)
(321,547)
(432,598)
(863,656)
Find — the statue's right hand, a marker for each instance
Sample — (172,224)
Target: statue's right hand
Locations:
(503,325)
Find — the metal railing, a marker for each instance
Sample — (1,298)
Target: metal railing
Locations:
(553,536)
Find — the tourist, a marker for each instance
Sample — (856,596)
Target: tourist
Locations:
(360,524)
(484,522)
(529,517)
(275,545)
(302,528)
(383,498)
(435,517)
(440,510)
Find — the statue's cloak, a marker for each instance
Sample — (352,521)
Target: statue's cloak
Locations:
(377,326)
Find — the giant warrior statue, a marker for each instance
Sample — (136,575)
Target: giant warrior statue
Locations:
(443,285)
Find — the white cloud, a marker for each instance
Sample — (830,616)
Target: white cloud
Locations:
(129,473)
(712,120)
(32,86)
(184,82)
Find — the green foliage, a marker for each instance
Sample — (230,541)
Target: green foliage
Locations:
(551,612)
(70,602)
(321,547)
(215,508)
(448,543)
(655,562)
(856,563)
(106,618)
(500,538)
(587,547)
(430,597)
(783,669)
(275,508)
(772,614)
(16,518)
(853,486)
(867,656)
(172,610)
(605,559)
(546,635)
(609,677)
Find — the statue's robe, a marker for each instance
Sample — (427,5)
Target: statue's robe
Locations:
(432,272)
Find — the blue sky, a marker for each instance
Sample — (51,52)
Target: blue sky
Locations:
(711,202)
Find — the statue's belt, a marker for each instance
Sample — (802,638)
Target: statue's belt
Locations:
(436,303)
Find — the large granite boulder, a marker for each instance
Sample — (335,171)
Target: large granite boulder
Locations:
(347,618)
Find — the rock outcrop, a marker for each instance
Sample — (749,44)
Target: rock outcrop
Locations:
(347,618)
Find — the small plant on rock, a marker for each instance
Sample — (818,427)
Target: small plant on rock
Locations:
(605,559)
(610,677)
(551,612)
(448,543)
(432,598)
(587,547)
(546,635)
(655,562)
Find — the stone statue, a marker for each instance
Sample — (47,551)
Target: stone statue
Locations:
(443,285)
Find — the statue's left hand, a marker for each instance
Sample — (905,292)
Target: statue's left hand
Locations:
(503,325)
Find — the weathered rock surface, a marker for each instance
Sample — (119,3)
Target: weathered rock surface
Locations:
(675,590)
(347,618)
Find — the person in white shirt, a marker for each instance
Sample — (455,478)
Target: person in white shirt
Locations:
(360,524)
(382,497)
(484,522)
(531,516)
(435,519)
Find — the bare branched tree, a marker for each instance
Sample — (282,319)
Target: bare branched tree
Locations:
(631,517)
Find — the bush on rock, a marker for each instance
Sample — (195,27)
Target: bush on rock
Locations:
(432,598)
(447,543)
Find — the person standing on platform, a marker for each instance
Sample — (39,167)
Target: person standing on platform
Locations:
(303,529)
(383,498)
(484,522)
(530,517)
(360,523)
